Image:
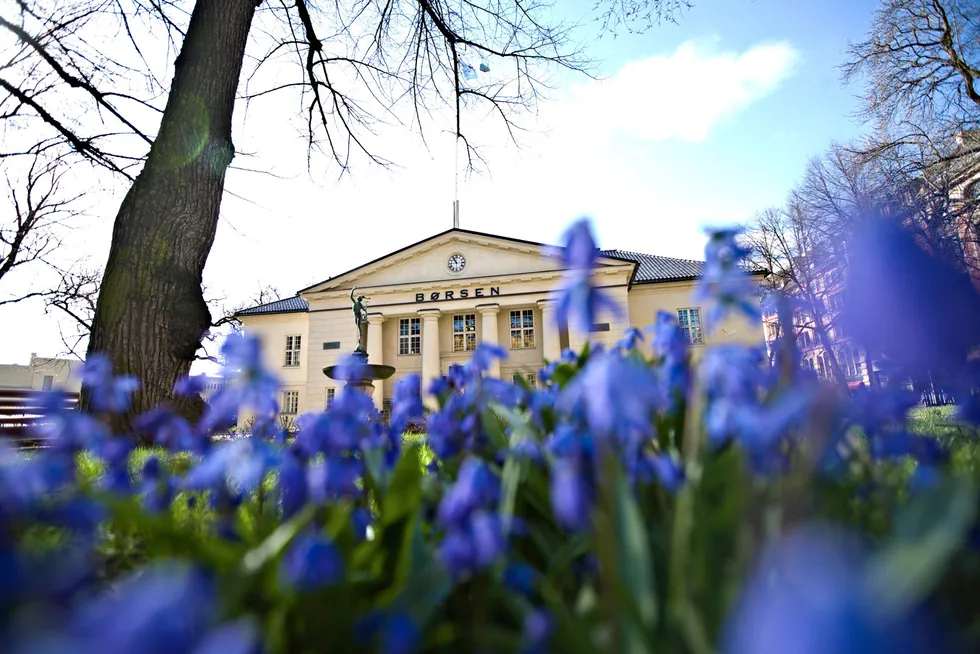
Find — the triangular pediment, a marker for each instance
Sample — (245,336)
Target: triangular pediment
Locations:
(482,256)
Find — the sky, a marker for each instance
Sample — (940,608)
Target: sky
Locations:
(694,124)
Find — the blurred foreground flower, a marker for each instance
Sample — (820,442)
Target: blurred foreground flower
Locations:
(812,594)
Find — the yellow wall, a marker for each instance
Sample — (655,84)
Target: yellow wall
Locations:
(645,300)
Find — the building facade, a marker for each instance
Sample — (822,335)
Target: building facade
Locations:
(42,373)
(431,303)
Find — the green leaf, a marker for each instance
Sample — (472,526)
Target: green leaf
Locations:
(927,534)
(404,493)
(625,555)
(495,430)
(269,549)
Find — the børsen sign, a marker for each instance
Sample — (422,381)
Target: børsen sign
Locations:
(455,295)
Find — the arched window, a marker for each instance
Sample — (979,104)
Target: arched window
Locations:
(821,371)
(825,362)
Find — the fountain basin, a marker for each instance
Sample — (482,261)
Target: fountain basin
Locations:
(367,372)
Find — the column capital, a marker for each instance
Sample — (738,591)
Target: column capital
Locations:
(429,313)
(488,309)
(546,303)
(375,318)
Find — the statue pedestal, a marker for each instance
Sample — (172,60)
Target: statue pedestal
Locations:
(360,374)
(362,385)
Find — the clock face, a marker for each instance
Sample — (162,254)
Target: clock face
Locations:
(456,263)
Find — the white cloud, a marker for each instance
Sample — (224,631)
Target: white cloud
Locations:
(680,96)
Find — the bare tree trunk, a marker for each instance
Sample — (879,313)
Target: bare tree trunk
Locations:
(821,332)
(151,313)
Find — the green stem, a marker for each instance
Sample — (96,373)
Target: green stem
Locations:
(678,604)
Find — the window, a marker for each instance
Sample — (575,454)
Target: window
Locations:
(331,394)
(410,336)
(464,332)
(292,350)
(689,320)
(521,329)
(290,402)
(47,382)
(530,377)
(805,339)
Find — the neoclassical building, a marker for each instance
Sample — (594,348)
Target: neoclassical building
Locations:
(432,302)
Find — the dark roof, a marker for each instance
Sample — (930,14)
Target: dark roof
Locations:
(286,305)
(652,268)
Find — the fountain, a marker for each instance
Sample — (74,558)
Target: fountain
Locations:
(359,374)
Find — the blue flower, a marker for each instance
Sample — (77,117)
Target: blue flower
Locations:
(614,394)
(334,478)
(161,609)
(239,637)
(406,402)
(238,465)
(725,283)
(899,298)
(191,385)
(400,635)
(487,534)
(156,489)
(476,486)
(312,562)
(250,386)
(484,356)
(115,452)
(667,470)
(170,430)
(473,543)
(107,393)
(521,578)
(579,301)
(631,340)
(292,485)
(538,625)
(67,430)
(571,496)
(360,521)
(810,595)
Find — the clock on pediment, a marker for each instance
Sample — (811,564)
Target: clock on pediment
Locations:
(456,263)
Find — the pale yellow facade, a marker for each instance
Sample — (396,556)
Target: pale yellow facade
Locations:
(417,290)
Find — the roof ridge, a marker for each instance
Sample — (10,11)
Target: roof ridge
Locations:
(658,256)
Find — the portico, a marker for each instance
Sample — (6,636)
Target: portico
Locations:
(430,304)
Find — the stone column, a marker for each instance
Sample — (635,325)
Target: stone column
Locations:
(375,350)
(550,337)
(491,332)
(431,368)
(576,339)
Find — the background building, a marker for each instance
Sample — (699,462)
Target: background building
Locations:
(432,302)
(42,373)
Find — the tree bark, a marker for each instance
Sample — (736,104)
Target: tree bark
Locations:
(151,314)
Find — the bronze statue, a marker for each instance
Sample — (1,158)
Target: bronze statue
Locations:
(360,320)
